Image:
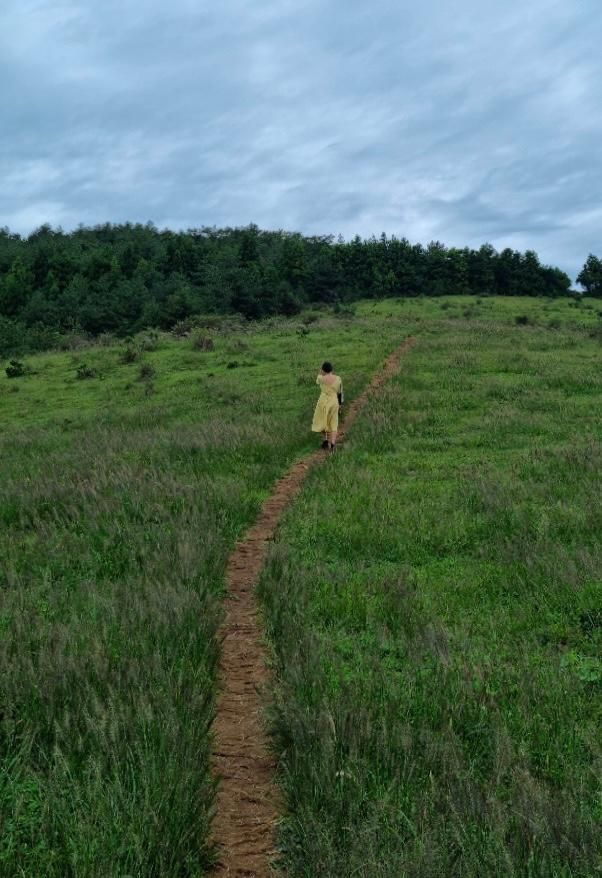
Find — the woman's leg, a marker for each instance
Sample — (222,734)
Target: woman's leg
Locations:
(332,438)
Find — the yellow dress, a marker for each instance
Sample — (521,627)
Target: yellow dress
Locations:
(326,415)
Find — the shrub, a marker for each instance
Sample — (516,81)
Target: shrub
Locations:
(233,365)
(238,346)
(201,342)
(73,341)
(148,341)
(83,371)
(181,329)
(343,310)
(596,333)
(522,320)
(15,369)
(147,372)
(129,354)
(213,322)
(106,339)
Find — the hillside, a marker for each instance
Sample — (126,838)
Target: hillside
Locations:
(124,279)
(433,598)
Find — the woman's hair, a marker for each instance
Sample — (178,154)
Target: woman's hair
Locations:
(327,367)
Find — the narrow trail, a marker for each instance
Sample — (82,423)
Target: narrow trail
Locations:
(247,798)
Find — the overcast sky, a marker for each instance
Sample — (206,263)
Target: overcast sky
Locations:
(465,122)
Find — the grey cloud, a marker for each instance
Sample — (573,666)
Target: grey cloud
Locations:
(465,123)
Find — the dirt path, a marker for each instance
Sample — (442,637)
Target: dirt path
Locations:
(247,799)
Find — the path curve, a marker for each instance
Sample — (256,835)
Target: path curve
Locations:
(247,804)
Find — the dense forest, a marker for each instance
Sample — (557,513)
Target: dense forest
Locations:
(124,278)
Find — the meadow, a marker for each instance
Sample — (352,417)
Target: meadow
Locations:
(121,496)
(433,600)
(434,605)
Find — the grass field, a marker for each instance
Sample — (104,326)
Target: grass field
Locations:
(120,500)
(434,602)
(434,599)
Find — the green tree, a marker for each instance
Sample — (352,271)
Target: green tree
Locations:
(16,289)
(249,247)
(590,276)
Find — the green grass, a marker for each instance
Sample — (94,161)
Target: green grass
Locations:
(120,500)
(434,605)
(433,598)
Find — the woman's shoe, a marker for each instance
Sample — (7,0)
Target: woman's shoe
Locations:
(325,444)
(333,448)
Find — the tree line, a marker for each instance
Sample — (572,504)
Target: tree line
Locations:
(124,278)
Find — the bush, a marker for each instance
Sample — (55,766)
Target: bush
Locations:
(15,369)
(73,341)
(83,371)
(106,339)
(238,346)
(129,354)
(596,333)
(148,341)
(343,310)
(212,322)
(201,342)
(522,320)
(147,372)
(181,329)
(233,365)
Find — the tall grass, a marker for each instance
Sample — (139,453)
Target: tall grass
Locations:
(118,510)
(434,603)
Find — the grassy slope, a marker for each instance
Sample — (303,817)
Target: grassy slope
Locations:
(434,601)
(118,508)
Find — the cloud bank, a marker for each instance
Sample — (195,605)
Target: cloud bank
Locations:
(464,123)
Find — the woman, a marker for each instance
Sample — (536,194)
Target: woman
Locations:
(326,415)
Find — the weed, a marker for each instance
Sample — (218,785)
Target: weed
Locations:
(201,342)
(148,341)
(16,369)
(146,372)
(343,310)
(129,354)
(83,371)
